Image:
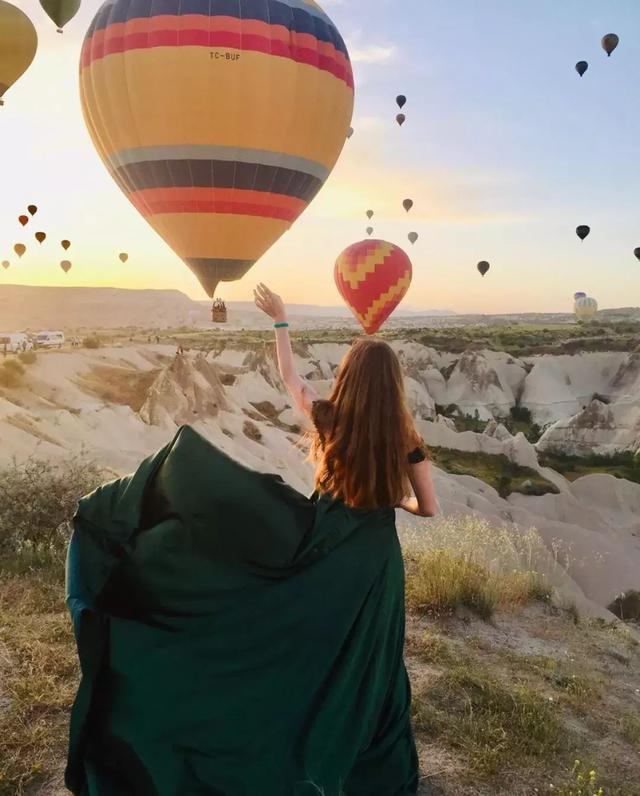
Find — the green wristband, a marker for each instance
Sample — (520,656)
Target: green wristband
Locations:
(281,325)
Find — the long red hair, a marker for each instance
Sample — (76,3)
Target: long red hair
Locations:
(364,431)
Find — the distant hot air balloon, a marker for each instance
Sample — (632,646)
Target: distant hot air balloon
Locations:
(401,119)
(350,133)
(219,120)
(24,220)
(40,236)
(581,67)
(578,295)
(407,204)
(5,263)
(369,214)
(33,209)
(610,42)
(65,244)
(18,45)
(401,100)
(19,249)
(60,11)
(585,307)
(369,231)
(582,231)
(413,237)
(66,266)
(483,267)
(372,277)
(123,256)
(637,252)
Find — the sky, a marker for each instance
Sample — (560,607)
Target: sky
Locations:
(505,151)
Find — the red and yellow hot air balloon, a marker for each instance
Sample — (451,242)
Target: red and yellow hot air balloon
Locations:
(220,121)
(373,277)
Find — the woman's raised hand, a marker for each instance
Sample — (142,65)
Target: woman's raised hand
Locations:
(270,303)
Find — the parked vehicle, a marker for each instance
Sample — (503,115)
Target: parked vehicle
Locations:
(49,340)
(14,342)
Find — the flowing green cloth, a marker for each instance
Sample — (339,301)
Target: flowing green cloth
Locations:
(235,637)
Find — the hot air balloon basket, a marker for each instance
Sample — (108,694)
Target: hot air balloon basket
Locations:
(219,316)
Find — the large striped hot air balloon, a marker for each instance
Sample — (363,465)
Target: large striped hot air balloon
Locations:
(18,45)
(372,277)
(219,119)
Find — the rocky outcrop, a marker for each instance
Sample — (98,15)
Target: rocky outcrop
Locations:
(476,386)
(599,428)
(185,391)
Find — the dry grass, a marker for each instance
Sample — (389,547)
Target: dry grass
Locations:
(38,676)
(440,581)
(466,562)
(121,386)
(509,705)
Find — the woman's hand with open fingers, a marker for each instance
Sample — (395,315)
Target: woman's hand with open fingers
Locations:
(270,303)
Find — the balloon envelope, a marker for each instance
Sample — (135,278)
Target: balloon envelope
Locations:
(407,204)
(578,295)
(19,249)
(65,244)
(123,256)
(581,67)
(18,45)
(5,263)
(483,267)
(582,231)
(24,220)
(413,237)
(401,119)
(637,252)
(41,236)
(369,231)
(60,11)
(66,266)
(369,213)
(372,277)
(219,120)
(350,133)
(33,209)
(610,42)
(585,307)
(401,100)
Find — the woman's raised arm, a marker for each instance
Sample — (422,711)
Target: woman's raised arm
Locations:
(272,305)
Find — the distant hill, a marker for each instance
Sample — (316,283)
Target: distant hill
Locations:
(319,311)
(28,307)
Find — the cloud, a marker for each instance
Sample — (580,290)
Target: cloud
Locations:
(372,53)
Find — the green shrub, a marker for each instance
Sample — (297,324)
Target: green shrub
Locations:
(520,414)
(27,357)
(11,373)
(38,502)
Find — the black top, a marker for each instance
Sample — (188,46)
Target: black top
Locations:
(416,456)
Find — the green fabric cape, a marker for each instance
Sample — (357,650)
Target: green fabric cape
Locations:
(235,637)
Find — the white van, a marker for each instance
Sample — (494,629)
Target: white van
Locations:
(15,342)
(49,340)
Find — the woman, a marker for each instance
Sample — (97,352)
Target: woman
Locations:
(237,638)
(365,444)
